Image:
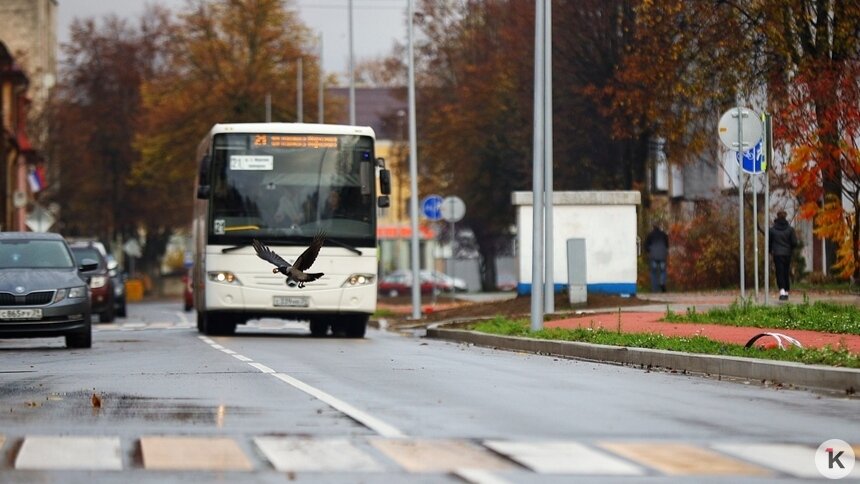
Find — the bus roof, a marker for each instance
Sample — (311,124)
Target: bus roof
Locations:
(292,128)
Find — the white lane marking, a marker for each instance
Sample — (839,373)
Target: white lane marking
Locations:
(65,452)
(229,352)
(354,413)
(261,367)
(562,457)
(360,416)
(479,476)
(797,460)
(300,454)
(206,340)
(133,325)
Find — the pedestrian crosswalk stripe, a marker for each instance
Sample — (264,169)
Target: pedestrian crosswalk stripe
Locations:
(479,476)
(419,455)
(43,452)
(303,454)
(193,453)
(683,459)
(796,460)
(563,457)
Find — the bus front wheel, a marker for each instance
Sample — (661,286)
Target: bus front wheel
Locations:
(319,327)
(217,324)
(351,326)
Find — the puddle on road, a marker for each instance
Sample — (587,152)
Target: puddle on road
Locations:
(124,407)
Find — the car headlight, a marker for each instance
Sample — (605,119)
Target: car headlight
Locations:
(71,293)
(359,280)
(224,276)
(98,281)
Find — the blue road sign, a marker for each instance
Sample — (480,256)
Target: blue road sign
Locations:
(753,161)
(431,207)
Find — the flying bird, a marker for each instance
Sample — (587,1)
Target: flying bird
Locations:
(294,272)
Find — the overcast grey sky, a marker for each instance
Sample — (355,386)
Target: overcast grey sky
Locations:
(377,23)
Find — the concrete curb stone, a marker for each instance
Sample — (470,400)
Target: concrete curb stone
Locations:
(845,380)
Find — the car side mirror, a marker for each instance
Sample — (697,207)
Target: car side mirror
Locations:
(88,265)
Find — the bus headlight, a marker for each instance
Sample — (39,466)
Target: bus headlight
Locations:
(359,280)
(223,276)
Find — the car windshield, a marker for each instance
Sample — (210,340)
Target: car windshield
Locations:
(34,254)
(82,253)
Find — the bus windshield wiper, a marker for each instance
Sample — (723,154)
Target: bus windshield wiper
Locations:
(235,247)
(344,245)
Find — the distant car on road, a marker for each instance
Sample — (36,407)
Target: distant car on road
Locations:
(399,283)
(99,279)
(42,292)
(118,276)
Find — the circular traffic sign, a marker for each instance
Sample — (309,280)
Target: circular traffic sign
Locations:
(729,128)
(431,207)
(453,209)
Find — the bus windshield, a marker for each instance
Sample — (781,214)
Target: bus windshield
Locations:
(273,186)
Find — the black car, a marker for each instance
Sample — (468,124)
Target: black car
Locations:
(42,293)
(99,279)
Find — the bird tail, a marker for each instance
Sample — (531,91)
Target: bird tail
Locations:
(312,276)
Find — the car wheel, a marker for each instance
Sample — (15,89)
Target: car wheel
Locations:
(108,315)
(82,338)
(120,310)
(319,327)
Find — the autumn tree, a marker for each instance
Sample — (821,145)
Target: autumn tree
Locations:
(221,61)
(93,120)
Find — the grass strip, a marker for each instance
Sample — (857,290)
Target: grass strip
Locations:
(696,344)
(819,316)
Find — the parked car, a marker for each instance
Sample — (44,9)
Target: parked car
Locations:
(400,283)
(118,277)
(42,291)
(99,279)
(444,281)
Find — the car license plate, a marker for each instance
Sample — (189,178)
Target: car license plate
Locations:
(290,301)
(20,314)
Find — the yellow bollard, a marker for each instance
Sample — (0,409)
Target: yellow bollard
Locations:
(134,290)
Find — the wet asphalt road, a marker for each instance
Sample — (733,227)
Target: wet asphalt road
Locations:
(399,400)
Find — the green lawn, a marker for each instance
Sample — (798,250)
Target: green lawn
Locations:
(696,344)
(818,316)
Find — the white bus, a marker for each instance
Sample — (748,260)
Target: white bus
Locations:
(281,184)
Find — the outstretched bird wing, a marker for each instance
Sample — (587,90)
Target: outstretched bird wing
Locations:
(306,260)
(267,255)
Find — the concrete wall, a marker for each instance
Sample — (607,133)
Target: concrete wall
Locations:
(607,222)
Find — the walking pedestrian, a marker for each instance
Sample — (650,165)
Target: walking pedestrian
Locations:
(657,249)
(782,243)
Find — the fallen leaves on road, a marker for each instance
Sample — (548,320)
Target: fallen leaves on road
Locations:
(97,401)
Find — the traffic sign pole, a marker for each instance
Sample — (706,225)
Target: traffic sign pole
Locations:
(741,199)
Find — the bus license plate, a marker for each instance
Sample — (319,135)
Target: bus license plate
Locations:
(20,314)
(291,301)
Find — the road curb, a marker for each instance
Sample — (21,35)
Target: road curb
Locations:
(798,374)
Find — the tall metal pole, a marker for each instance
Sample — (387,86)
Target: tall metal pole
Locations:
(300,104)
(741,199)
(768,159)
(537,176)
(352,67)
(549,277)
(413,168)
(754,179)
(320,93)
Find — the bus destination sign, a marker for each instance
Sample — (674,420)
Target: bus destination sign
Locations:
(295,141)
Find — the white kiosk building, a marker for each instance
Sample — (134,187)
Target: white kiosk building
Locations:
(607,223)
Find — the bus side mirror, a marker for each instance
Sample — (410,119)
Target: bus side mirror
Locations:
(385,181)
(203,178)
(383,201)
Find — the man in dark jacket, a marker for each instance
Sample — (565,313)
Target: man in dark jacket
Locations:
(657,248)
(782,243)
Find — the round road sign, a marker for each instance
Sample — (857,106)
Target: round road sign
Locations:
(453,209)
(729,131)
(431,207)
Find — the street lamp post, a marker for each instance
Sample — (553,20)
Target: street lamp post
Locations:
(413,171)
